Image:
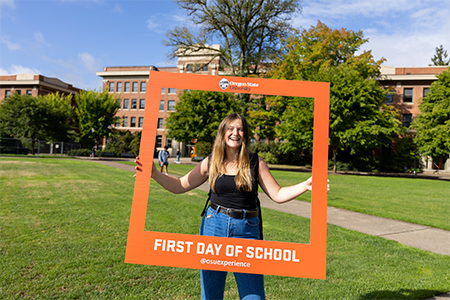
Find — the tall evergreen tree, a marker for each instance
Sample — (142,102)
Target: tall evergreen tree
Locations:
(440,57)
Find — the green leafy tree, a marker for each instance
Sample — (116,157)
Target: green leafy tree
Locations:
(198,115)
(307,52)
(249,31)
(44,118)
(123,141)
(358,118)
(440,57)
(95,113)
(432,125)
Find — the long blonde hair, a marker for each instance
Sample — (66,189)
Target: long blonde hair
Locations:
(243,177)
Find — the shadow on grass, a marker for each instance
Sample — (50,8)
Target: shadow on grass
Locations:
(403,294)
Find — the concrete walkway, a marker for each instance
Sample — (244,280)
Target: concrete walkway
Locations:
(418,236)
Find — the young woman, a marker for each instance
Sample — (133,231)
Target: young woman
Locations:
(234,174)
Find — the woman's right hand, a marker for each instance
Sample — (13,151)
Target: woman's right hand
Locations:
(139,166)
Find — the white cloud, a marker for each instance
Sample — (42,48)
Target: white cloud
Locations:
(8,3)
(11,46)
(117,8)
(154,25)
(89,62)
(39,38)
(16,69)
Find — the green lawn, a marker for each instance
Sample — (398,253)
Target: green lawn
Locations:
(419,201)
(64,227)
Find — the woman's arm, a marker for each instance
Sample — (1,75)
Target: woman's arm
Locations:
(277,193)
(191,180)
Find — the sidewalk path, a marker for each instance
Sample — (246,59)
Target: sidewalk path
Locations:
(418,236)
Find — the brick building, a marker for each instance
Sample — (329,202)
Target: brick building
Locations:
(33,85)
(131,83)
(409,86)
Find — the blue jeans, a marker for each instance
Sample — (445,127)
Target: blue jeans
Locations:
(250,286)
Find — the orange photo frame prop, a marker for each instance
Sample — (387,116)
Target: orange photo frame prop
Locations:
(232,254)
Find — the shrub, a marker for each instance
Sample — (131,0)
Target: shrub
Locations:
(79,152)
(203,148)
(269,157)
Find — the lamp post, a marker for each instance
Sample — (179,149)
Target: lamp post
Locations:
(415,156)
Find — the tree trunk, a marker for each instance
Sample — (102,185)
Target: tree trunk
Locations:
(334,160)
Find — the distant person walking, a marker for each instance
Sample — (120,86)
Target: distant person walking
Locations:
(178,156)
(163,157)
(93,152)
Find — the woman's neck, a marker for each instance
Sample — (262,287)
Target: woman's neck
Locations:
(231,154)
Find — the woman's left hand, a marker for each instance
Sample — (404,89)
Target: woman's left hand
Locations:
(308,184)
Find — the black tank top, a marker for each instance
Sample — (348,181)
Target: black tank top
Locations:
(227,195)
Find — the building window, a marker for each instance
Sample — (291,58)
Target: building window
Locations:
(161,105)
(172,91)
(143,86)
(7,93)
(171,105)
(407,119)
(407,95)
(111,86)
(163,91)
(189,68)
(158,141)
(133,122)
(117,124)
(205,68)
(135,87)
(29,92)
(127,87)
(119,87)
(141,122)
(388,98)
(160,123)
(18,92)
(425,92)
(169,143)
(125,121)
(133,103)
(125,103)
(141,103)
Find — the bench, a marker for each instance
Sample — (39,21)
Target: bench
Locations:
(197,158)
(127,155)
(108,154)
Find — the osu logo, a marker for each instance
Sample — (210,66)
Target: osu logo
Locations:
(223,83)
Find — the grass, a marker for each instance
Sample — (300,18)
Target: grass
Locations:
(63,236)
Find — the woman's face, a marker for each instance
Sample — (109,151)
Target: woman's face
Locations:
(234,136)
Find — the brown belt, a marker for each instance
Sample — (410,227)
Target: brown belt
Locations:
(235,213)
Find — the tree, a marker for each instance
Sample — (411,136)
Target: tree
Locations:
(306,52)
(198,115)
(44,117)
(123,141)
(95,113)
(249,31)
(432,125)
(358,118)
(440,57)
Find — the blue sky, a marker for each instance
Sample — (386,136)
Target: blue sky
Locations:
(73,39)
